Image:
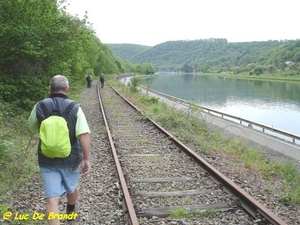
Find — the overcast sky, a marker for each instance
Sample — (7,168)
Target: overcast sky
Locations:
(151,22)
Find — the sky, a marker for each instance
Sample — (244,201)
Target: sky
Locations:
(152,22)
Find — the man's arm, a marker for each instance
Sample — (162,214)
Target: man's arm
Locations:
(82,133)
(85,144)
(32,121)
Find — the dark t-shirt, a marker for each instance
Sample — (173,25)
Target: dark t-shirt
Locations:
(101,78)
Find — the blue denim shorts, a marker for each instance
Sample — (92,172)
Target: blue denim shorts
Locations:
(57,181)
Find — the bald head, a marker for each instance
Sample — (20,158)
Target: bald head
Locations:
(59,84)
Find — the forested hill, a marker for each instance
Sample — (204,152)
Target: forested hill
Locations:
(127,51)
(194,55)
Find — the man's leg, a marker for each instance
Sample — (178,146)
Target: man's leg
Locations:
(70,180)
(53,189)
(71,200)
(52,207)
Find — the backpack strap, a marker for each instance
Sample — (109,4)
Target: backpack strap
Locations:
(64,114)
(44,109)
(68,109)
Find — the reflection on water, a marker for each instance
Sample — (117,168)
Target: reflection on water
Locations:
(271,103)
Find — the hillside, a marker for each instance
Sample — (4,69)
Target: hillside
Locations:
(217,53)
(127,51)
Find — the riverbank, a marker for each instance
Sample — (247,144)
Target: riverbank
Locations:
(295,78)
(264,76)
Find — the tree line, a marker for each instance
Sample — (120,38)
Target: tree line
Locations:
(39,39)
(219,55)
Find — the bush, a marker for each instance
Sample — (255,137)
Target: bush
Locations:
(258,70)
(135,81)
(149,100)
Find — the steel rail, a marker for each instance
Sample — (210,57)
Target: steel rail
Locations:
(127,198)
(251,205)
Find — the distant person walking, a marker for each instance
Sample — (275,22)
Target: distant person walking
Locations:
(102,80)
(89,80)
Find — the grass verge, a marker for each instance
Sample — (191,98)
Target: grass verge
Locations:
(16,151)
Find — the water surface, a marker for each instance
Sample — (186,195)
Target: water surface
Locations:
(271,103)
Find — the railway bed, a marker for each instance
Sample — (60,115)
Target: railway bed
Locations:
(160,180)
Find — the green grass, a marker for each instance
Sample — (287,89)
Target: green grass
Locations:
(144,141)
(152,159)
(182,212)
(266,76)
(17,151)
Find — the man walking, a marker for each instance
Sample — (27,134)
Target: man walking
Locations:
(61,175)
(102,80)
(89,80)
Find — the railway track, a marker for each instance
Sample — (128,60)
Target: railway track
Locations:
(162,181)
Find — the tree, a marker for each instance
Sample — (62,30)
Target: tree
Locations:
(147,68)
(38,39)
(205,68)
(187,68)
(258,70)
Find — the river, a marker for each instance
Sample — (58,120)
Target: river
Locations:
(272,103)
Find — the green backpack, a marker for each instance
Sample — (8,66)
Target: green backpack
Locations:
(54,132)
